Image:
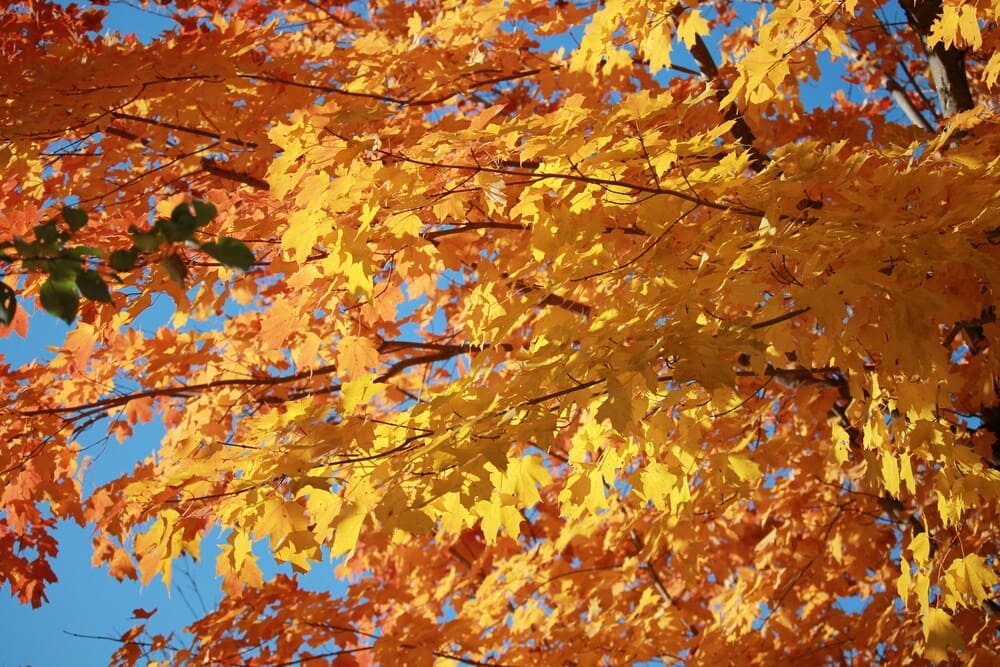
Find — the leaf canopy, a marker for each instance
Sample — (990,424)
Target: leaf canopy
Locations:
(573,333)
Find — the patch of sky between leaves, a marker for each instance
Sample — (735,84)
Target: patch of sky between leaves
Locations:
(146,23)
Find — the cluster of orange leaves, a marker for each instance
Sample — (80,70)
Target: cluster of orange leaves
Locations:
(565,348)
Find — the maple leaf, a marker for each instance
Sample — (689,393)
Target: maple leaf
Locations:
(139,410)
(141,613)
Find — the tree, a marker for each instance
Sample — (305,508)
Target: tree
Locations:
(573,332)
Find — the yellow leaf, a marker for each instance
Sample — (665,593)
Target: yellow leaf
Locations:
(415,521)
(968,26)
(415,25)
(619,406)
(950,507)
(991,72)
(841,440)
(692,25)
(511,519)
(837,547)
(311,190)
(304,354)
(657,47)
(300,236)
(242,549)
(968,581)
(744,467)
(348,527)
(920,547)
(890,473)
(956,22)
(656,481)
(906,473)
(358,279)
(923,590)
(357,392)
(523,476)
(299,549)
(406,224)
(904,581)
(941,635)
(495,514)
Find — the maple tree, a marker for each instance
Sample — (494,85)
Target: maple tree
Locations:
(570,332)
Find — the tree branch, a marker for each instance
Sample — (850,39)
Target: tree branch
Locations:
(580,178)
(706,64)
(947,65)
(896,91)
(210,166)
(181,128)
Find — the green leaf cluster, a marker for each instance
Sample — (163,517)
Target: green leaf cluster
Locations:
(70,267)
(180,227)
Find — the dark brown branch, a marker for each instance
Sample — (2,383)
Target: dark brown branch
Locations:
(947,65)
(742,132)
(554,299)
(210,166)
(390,99)
(780,318)
(706,64)
(187,390)
(399,345)
(402,365)
(472,226)
(644,564)
(181,390)
(579,178)
(118,640)
(461,660)
(561,392)
(215,136)
(124,134)
(332,90)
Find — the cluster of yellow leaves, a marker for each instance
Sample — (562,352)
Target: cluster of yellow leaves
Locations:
(560,352)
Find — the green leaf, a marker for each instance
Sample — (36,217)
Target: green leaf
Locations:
(175,268)
(92,286)
(178,233)
(146,241)
(123,260)
(60,298)
(181,214)
(64,268)
(83,250)
(180,227)
(230,252)
(76,218)
(48,232)
(204,212)
(26,250)
(8,304)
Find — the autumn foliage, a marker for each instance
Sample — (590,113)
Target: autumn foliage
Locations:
(566,333)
